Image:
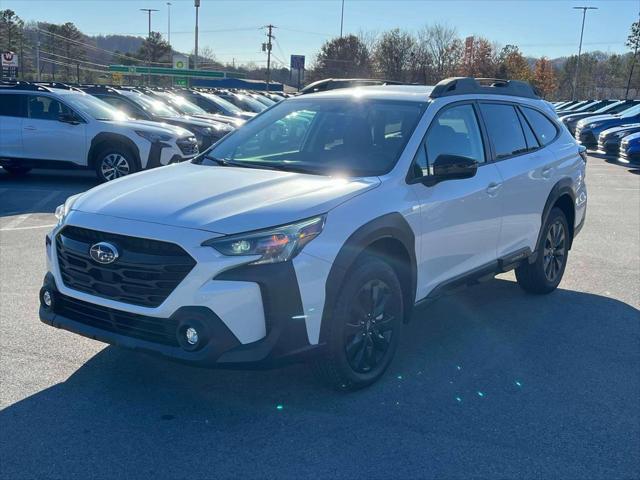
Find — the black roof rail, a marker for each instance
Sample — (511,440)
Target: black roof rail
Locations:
(491,86)
(22,85)
(58,85)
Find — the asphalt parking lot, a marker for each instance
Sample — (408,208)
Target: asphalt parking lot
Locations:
(490,382)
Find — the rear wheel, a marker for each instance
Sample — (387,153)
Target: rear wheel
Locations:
(365,326)
(545,274)
(114,162)
(16,171)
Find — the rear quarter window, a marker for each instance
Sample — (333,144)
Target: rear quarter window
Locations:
(544,128)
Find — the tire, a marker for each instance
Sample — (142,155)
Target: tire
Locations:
(113,162)
(17,171)
(544,275)
(363,335)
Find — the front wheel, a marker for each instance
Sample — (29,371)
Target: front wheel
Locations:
(365,326)
(545,274)
(113,163)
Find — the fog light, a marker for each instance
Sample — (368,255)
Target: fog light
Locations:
(46,298)
(191,334)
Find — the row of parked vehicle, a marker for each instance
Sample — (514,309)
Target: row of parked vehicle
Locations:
(611,127)
(115,130)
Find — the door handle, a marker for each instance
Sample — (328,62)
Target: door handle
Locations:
(546,172)
(493,188)
(29,127)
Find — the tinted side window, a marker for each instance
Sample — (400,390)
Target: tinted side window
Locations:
(532,143)
(504,129)
(121,105)
(544,128)
(454,131)
(46,108)
(12,105)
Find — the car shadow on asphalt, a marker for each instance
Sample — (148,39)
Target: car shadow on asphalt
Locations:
(490,381)
(40,191)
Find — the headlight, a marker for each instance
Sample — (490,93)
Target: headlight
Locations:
(63,210)
(154,137)
(274,245)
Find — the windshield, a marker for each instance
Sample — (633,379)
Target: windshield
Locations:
(222,103)
(156,107)
(322,136)
(631,112)
(183,105)
(611,108)
(94,107)
(249,104)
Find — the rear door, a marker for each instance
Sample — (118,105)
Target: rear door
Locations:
(12,112)
(46,137)
(527,169)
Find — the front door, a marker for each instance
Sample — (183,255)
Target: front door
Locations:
(461,219)
(46,137)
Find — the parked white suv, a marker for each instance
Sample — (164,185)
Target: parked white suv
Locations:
(62,127)
(312,231)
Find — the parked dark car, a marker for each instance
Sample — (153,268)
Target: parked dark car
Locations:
(186,107)
(243,101)
(588,129)
(609,140)
(212,103)
(142,107)
(630,149)
(571,119)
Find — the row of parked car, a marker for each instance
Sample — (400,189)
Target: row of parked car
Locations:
(611,127)
(115,130)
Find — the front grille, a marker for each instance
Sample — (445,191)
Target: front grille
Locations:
(151,329)
(188,146)
(145,273)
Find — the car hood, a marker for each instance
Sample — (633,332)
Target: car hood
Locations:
(154,127)
(188,121)
(233,121)
(621,128)
(595,119)
(220,199)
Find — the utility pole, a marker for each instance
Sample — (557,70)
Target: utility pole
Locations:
(38,58)
(267,46)
(575,80)
(196,3)
(149,11)
(169,22)
(342,19)
(78,73)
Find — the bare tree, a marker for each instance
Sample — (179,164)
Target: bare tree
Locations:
(439,52)
(394,53)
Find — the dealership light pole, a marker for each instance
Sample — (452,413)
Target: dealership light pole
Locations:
(341,18)
(196,3)
(149,12)
(575,80)
(169,22)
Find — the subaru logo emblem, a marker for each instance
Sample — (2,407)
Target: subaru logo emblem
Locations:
(104,253)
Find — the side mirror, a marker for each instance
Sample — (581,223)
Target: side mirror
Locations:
(451,167)
(68,118)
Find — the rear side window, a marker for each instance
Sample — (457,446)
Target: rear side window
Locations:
(532,142)
(12,105)
(504,129)
(545,130)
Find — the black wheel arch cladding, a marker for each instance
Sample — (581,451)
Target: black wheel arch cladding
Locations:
(561,190)
(374,236)
(110,139)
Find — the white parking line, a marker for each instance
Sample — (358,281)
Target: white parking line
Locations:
(17,221)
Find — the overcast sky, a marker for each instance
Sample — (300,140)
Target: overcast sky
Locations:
(232,27)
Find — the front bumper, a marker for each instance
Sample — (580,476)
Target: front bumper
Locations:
(248,315)
(586,138)
(285,342)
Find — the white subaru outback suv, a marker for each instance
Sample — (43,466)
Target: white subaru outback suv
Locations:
(312,231)
(61,127)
